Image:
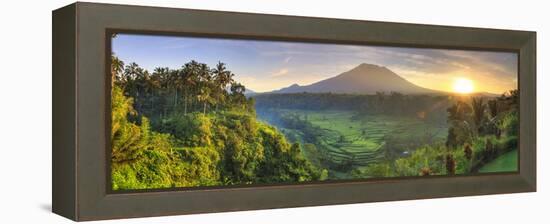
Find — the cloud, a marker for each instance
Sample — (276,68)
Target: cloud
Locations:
(281,72)
(287,59)
(273,64)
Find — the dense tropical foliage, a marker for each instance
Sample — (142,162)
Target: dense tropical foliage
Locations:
(193,126)
(480,130)
(392,135)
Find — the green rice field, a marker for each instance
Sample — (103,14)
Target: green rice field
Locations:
(359,139)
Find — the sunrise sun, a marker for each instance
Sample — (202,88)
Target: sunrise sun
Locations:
(463,85)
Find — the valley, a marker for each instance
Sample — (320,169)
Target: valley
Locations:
(343,140)
(198,126)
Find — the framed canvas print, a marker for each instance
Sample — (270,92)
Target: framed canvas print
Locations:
(201,111)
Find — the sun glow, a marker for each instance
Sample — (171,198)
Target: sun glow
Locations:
(463,86)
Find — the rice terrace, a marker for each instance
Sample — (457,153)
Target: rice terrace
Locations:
(192,111)
(350,141)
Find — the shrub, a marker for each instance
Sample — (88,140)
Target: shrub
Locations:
(468,151)
(450,164)
(426,171)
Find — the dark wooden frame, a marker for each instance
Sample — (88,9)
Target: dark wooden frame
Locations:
(81,105)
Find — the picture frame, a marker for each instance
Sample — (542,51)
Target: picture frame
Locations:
(81,110)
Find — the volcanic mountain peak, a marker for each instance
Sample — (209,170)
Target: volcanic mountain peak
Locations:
(363,79)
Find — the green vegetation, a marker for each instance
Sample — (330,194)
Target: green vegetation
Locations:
(391,142)
(476,136)
(193,126)
(504,163)
(343,140)
(184,128)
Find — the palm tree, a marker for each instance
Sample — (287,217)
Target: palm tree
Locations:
(141,87)
(459,111)
(459,118)
(162,75)
(513,97)
(188,79)
(204,97)
(175,84)
(131,71)
(129,77)
(493,108)
(222,78)
(206,85)
(237,88)
(478,111)
(204,73)
(154,87)
(117,66)
(237,93)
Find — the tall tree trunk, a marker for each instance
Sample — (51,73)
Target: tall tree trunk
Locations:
(185,105)
(175,98)
(113,77)
(152,101)
(204,108)
(185,102)
(217,103)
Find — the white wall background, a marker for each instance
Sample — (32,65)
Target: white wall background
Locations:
(25,112)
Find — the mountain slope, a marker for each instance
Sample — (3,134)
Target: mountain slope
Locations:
(363,79)
(249,92)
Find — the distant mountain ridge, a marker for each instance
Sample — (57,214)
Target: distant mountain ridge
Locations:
(249,92)
(363,79)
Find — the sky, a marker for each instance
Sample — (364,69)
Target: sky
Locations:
(270,65)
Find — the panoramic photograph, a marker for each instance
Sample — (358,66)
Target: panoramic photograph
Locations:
(198,112)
